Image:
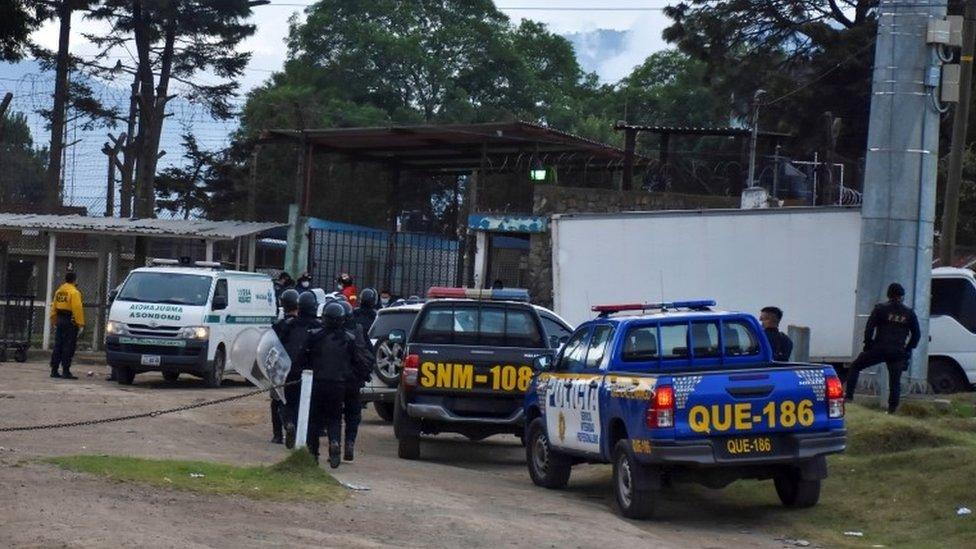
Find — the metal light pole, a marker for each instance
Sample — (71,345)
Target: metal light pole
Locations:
(755,136)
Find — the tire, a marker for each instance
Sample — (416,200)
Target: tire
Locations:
(171,376)
(384,410)
(215,376)
(547,467)
(407,432)
(124,376)
(795,492)
(634,502)
(945,377)
(388,361)
(20,355)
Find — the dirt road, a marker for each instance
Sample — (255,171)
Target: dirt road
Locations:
(461,494)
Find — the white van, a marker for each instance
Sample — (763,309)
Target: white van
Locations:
(178,318)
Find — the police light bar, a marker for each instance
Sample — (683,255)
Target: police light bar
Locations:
(506,294)
(694,305)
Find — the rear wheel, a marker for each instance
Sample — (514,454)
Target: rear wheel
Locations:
(124,375)
(171,376)
(634,502)
(945,377)
(384,410)
(388,359)
(407,431)
(793,491)
(548,468)
(215,376)
(20,355)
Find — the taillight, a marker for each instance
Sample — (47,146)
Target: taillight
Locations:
(660,409)
(835,397)
(410,366)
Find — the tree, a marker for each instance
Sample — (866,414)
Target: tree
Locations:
(183,190)
(21,165)
(18,19)
(174,41)
(811,56)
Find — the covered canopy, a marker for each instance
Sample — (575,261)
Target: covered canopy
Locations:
(113,226)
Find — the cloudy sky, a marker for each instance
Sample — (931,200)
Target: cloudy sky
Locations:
(641,19)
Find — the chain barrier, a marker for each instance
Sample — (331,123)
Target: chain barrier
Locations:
(155,413)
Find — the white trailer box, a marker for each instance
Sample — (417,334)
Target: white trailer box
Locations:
(803,260)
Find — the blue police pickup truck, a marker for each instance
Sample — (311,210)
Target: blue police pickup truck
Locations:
(680,392)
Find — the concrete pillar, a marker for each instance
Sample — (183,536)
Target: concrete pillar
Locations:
(100,294)
(210,246)
(52,244)
(252,249)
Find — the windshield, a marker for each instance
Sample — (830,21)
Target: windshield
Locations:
(171,288)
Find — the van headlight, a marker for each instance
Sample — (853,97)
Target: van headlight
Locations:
(115,328)
(194,332)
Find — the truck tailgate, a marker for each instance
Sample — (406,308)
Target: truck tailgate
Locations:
(750,402)
(455,369)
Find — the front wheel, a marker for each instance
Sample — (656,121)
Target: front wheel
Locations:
(123,375)
(548,468)
(215,376)
(795,492)
(634,502)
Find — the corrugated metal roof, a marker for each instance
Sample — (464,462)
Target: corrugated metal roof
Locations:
(169,228)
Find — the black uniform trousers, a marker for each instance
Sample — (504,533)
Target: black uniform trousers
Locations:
(277,415)
(65,340)
(352,411)
(325,411)
(894,359)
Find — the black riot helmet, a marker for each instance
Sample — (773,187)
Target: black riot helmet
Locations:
(334,314)
(308,306)
(289,300)
(346,308)
(367,298)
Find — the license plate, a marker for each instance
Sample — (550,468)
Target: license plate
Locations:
(746,447)
(150,360)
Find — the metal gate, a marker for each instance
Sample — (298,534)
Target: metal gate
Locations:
(406,264)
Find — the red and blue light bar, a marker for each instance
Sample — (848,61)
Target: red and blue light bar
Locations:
(505,294)
(694,305)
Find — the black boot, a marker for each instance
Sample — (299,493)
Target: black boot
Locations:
(276,439)
(54,372)
(350,451)
(67,374)
(335,455)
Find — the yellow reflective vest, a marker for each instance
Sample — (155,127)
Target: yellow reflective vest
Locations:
(68,298)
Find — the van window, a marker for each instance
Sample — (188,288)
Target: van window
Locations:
(221,290)
(674,341)
(473,324)
(955,297)
(170,288)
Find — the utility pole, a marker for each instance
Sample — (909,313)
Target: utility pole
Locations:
(899,184)
(755,137)
(112,152)
(960,120)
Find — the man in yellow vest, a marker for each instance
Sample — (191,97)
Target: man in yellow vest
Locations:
(68,317)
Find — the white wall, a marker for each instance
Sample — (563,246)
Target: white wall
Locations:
(801,260)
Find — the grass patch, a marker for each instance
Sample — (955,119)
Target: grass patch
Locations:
(297,478)
(902,494)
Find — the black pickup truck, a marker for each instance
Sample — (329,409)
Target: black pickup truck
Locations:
(468,362)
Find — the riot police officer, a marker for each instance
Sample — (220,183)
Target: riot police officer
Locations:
(365,360)
(365,313)
(332,355)
(293,332)
(890,336)
(68,316)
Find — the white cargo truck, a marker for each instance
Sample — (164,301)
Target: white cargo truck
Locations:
(803,260)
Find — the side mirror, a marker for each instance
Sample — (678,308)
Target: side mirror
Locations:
(219,302)
(112,295)
(397,337)
(542,363)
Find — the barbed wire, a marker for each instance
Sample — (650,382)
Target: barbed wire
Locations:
(154,413)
